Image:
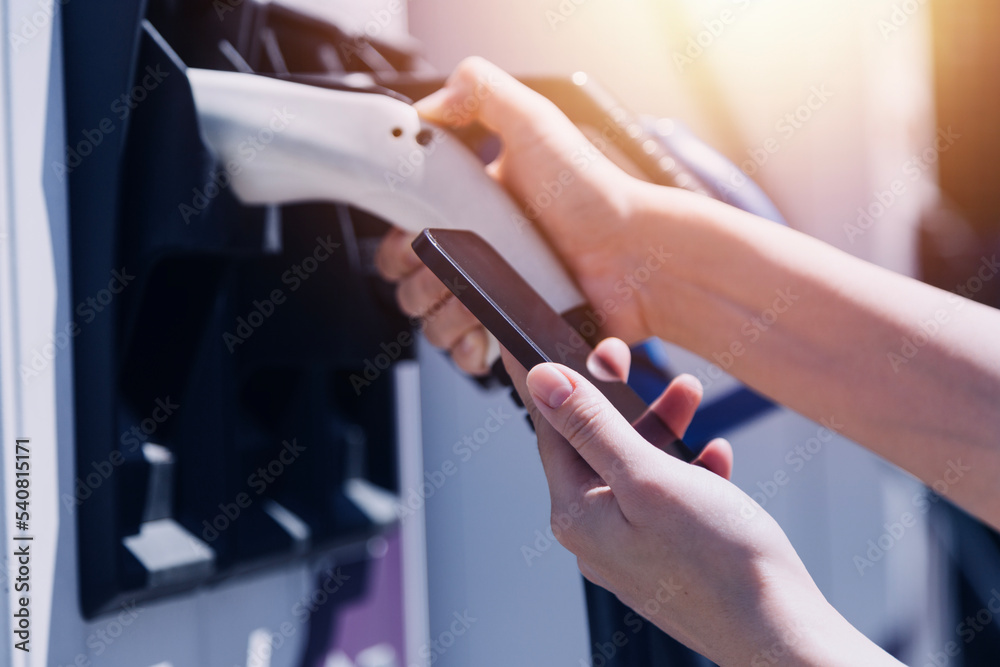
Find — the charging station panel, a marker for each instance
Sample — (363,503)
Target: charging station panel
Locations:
(223,417)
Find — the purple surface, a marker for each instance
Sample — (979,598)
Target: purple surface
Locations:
(378,617)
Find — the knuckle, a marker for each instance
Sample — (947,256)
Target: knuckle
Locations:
(584,424)
(386,251)
(469,366)
(432,307)
(470,70)
(394,258)
(420,293)
(431,289)
(435,336)
(407,300)
(384,263)
(471,358)
(462,317)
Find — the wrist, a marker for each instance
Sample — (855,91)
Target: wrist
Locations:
(693,233)
(799,628)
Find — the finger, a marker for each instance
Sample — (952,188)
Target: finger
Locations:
(480,91)
(610,360)
(568,475)
(718,458)
(447,324)
(677,405)
(540,144)
(581,414)
(471,351)
(395,258)
(422,293)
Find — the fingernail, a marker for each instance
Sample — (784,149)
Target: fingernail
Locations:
(600,369)
(690,381)
(548,385)
(471,342)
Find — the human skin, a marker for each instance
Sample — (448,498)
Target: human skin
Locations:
(813,328)
(648,527)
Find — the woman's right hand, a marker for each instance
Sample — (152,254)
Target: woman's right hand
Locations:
(678,543)
(587,208)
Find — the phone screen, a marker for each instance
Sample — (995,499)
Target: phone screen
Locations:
(525,324)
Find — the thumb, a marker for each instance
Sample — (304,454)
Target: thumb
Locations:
(579,412)
(480,91)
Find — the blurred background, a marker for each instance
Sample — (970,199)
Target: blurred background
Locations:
(411,532)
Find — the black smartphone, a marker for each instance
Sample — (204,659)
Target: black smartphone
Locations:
(526,325)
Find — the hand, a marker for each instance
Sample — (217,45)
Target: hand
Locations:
(446,323)
(676,542)
(589,221)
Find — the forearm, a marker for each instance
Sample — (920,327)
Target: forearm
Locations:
(838,339)
(806,631)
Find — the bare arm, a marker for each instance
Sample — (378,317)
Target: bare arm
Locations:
(814,328)
(910,371)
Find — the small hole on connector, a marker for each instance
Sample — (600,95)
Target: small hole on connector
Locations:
(397,131)
(425,137)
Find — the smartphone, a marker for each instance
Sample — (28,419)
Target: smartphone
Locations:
(526,325)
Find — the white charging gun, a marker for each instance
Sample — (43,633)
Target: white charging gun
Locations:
(369,151)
